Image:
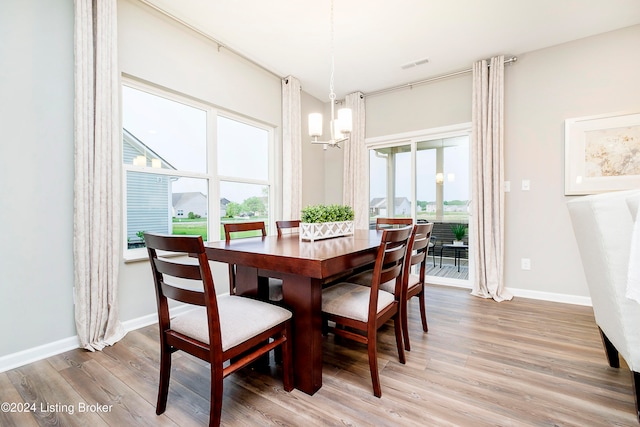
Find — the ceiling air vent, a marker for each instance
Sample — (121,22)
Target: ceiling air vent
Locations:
(414,63)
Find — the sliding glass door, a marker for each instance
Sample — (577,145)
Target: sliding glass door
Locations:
(426,177)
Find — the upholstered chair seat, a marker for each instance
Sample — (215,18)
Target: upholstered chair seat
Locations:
(240,319)
(352,300)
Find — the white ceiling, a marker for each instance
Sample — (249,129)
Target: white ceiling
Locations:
(375,38)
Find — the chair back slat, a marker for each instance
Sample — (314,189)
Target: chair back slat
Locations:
(186,244)
(386,223)
(178,269)
(183,295)
(236,227)
(287,225)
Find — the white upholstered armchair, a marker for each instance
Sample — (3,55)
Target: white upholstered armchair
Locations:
(603,225)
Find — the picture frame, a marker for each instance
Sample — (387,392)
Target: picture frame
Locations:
(602,153)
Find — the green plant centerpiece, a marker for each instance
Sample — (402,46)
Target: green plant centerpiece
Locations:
(326,221)
(326,213)
(459,232)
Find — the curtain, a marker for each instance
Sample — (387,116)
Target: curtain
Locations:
(355,186)
(97,209)
(291,149)
(488,175)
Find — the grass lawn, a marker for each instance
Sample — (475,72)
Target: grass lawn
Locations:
(198,226)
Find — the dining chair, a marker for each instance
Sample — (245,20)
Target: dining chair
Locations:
(229,331)
(384,223)
(290,225)
(359,311)
(250,229)
(412,283)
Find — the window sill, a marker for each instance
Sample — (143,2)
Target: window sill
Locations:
(135,255)
(141,254)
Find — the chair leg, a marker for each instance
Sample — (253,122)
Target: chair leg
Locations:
(373,364)
(215,404)
(610,349)
(405,325)
(423,310)
(397,323)
(287,360)
(163,385)
(325,326)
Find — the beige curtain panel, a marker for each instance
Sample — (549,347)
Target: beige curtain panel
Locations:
(97,187)
(488,175)
(291,149)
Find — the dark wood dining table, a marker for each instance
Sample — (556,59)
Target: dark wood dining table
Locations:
(303,268)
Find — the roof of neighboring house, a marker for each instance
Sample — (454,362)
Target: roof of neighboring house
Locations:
(144,148)
(177,198)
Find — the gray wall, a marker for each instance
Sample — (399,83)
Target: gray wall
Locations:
(36,173)
(586,77)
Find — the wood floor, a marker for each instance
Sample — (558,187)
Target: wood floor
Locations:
(482,363)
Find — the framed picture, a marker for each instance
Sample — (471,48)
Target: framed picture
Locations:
(602,153)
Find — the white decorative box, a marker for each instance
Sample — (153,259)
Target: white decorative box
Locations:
(325,230)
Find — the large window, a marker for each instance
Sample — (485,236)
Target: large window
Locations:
(244,172)
(188,165)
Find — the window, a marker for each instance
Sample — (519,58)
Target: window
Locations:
(390,172)
(433,185)
(443,179)
(245,190)
(185,162)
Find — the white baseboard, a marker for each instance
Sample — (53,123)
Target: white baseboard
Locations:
(30,355)
(552,297)
(522,293)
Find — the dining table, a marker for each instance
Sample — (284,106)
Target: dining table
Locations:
(304,268)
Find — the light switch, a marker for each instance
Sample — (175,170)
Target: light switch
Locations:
(507,186)
(526,185)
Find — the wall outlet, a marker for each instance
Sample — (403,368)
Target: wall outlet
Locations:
(526,185)
(525,263)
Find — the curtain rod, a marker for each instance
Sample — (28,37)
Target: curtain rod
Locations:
(207,36)
(432,79)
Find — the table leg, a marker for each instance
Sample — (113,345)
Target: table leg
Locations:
(303,296)
(441,249)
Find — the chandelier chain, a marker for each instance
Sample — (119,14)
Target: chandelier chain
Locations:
(332,95)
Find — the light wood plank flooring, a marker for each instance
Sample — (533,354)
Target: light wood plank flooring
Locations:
(482,363)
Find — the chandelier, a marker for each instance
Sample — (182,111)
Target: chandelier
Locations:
(340,126)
